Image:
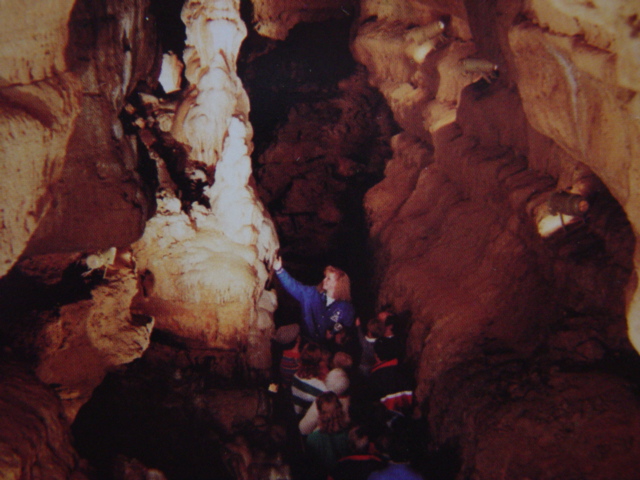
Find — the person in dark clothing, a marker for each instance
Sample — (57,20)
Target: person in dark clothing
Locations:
(389,383)
(395,328)
(345,341)
(360,463)
(326,308)
(401,451)
(374,329)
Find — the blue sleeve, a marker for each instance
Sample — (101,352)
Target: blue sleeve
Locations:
(310,301)
(300,292)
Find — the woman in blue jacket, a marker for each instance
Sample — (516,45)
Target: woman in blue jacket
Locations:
(326,308)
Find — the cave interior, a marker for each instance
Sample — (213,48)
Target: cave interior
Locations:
(470,164)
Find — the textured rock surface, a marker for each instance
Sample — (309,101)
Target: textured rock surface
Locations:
(35,441)
(587,98)
(454,223)
(203,261)
(519,341)
(72,328)
(90,337)
(322,160)
(542,425)
(274,18)
(39,105)
(171,413)
(100,200)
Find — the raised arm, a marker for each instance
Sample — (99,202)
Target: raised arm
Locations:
(300,292)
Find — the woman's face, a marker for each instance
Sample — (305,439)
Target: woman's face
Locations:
(329,283)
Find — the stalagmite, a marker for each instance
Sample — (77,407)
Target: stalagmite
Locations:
(423,40)
(478,68)
(171,72)
(210,259)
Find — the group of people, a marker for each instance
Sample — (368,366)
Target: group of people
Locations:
(346,384)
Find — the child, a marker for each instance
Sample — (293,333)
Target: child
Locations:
(289,337)
(308,382)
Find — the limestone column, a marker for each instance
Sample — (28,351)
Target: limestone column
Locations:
(210,262)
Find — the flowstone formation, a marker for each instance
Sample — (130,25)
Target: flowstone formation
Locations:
(207,257)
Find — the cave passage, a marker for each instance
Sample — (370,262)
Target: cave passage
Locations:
(321,136)
(307,97)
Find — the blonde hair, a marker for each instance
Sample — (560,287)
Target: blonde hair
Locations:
(343,284)
(331,417)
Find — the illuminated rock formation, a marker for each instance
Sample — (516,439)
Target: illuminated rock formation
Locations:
(40,103)
(209,261)
(60,109)
(590,108)
(100,199)
(90,337)
(203,269)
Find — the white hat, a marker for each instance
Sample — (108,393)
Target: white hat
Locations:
(337,381)
(286,334)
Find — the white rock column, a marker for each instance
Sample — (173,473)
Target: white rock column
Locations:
(210,265)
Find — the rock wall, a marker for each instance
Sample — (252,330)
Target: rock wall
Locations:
(203,257)
(274,18)
(40,104)
(503,109)
(93,197)
(104,238)
(100,200)
(590,108)
(87,338)
(35,436)
(519,329)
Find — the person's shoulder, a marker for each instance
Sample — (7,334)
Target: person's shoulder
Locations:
(402,470)
(344,302)
(344,305)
